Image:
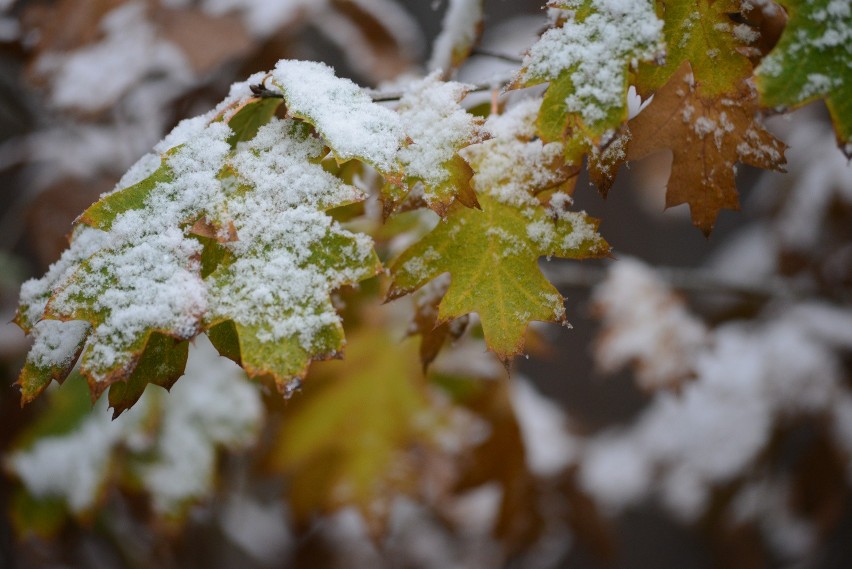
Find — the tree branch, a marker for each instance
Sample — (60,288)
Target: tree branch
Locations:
(682,279)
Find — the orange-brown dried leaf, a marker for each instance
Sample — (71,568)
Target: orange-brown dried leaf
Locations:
(707,137)
(433,334)
(501,458)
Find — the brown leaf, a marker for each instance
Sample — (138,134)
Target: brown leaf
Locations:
(707,136)
(206,41)
(501,458)
(425,321)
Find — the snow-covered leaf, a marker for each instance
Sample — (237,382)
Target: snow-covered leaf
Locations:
(813,59)
(587,60)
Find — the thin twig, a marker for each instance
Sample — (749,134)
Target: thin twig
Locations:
(516,59)
(683,279)
(497,84)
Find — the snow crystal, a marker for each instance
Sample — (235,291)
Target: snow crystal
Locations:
(458,28)
(510,166)
(594,52)
(85,241)
(341,111)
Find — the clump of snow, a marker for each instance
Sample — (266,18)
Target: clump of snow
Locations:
(95,76)
(56,342)
(513,164)
(645,324)
(278,283)
(747,380)
(438,127)
(351,123)
(212,405)
(549,447)
(459,31)
(596,53)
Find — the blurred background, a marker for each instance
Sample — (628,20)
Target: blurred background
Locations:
(697,414)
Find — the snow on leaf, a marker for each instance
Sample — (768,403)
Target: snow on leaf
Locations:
(276,280)
(813,59)
(492,253)
(587,61)
(703,34)
(460,30)
(353,435)
(56,347)
(437,128)
(707,137)
(352,125)
(226,225)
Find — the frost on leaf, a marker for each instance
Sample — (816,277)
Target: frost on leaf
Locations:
(356,432)
(707,137)
(813,59)
(437,128)
(223,229)
(587,61)
(492,253)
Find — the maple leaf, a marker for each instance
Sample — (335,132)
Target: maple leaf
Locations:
(702,33)
(492,253)
(587,61)
(437,127)
(432,334)
(223,227)
(353,434)
(813,59)
(707,137)
(345,116)
(492,257)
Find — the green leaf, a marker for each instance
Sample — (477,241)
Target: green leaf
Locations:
(492,257)
(103,213)
(587,60)
(56,347)
(703,33)
(813,59)
(350,436)
(231,227)
(254,114)
(162,363)
(276,280)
